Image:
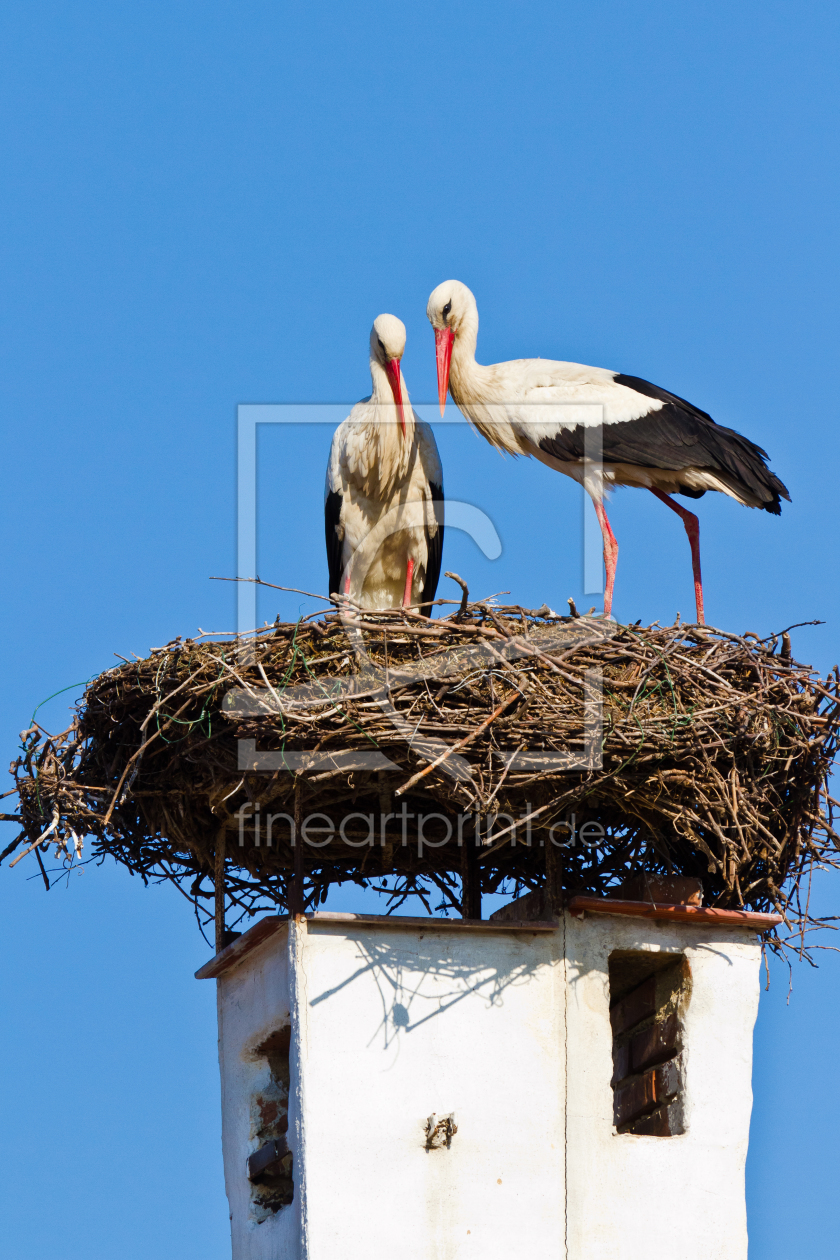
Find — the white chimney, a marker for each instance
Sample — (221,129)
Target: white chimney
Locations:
(427,1088)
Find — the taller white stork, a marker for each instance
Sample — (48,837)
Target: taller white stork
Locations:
(650,438)
(384,490)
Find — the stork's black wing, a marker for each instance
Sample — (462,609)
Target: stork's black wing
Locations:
(674,436)
(434,548)
(332,529)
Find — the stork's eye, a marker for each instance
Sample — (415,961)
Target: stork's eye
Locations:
(446,310)
(381,346)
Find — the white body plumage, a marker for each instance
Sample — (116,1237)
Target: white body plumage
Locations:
(525,406)
(384,490)
(600,428)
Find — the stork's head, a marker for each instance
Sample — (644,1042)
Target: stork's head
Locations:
(450,307)
(387,343)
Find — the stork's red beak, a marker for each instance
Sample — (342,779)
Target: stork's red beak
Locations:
(393,366)
(444,341)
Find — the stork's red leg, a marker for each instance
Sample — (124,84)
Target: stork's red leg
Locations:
(610,554)
(347,585)
(409,574)
(692,528)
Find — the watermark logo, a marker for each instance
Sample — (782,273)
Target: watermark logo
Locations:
(359,830)
(375,683)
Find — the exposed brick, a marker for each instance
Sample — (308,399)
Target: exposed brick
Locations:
(636,1006)
(668,1080)
(621,1062)
(663,889)
(643,1093)
(635,1098)
(531,906)
(663,1122)
(654,1044)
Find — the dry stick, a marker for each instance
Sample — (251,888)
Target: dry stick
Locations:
(462,743)
(259,582)
(43,872)
(169,696)
(414,631)
(465,596)
(500,834)
(219,885)
(504,775)
(445,627)
(385,808)
(470,882)
(40,840)
(140,750)
(553,879)
(549,661)
(295,898)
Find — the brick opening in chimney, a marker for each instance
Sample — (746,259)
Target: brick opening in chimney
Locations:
(270,1163)
(649,994)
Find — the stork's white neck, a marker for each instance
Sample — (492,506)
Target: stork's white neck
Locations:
(387,413)
(480,391)
(466,376)
(389,450)
(381,393)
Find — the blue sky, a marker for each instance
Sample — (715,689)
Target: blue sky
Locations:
(204,205)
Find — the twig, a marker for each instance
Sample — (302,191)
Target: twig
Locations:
(464,597)
(327,599)
(462,743)
(40,840)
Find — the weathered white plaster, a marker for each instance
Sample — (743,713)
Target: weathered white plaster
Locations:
(254,1000)
(654,1197)
(392,1023)
(399,1025)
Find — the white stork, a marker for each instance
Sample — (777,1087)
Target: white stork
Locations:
(383,508)
(651,439)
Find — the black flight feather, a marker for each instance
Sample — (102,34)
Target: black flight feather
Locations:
(677,435)
(332,529)
(434,550)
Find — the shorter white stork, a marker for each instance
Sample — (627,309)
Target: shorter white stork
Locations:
(383,508)
(649,438)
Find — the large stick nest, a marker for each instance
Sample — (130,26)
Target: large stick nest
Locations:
(685,749)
